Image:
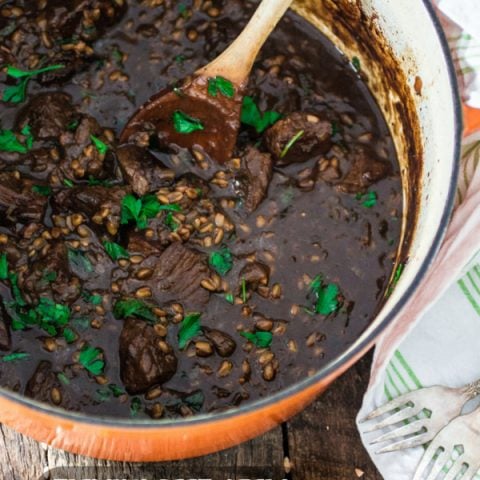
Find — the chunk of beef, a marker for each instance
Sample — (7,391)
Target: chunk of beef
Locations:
(18,203)
(366,169)
(143,363)
(256,178)
(255,274)
(139,245)
(48,115)
(177,274)
(142,170)
(223,343)
(100,205)
(36,282)
(5,339)
(315,139)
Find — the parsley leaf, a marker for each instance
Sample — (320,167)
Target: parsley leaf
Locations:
(9,143)
(326,296)
(44,190)
(356,63)
(14,357)
(51,315)
(69,335)
(135,406)
(184,123)
(396,278)
(115,251)
(244,290)
(3,266)
(252,116)
(259,339)
(222,85)
(189,328)
(170,222)
(68,183)
(139,210)
(91,359)
(368,199)
(17,93)
(221,261)
(17,294)
(79,263)
(49,276)
(230,298)
(291,142)
(99,145)
(133,307)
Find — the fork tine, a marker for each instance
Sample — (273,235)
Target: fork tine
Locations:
(426,459)
(403,414)
(439,464)
(469,474)
(387,407)
(455,470)
(399,432)
(404,444)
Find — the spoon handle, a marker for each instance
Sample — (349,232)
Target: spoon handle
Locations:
(237,60)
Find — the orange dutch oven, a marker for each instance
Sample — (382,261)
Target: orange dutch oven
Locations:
(398,44)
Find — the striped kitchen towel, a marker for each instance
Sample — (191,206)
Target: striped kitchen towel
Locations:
(435,339)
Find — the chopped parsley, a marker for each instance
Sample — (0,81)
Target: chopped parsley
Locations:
(10,143)
(79,263)
(99,145)
(368,199)
(221,261)
(26,131)
(220,85)
(49,276)
(356,64)
(47,315)
(91,360)
(51,315)
(132,307)
(189,328)
(68,183)
(244,290)
(17,93)
(291,142)
(230,298)
(63,378)
(170,222)
(180,59)
(140,210)
(182,10)
(135,406)
(184,123)
(396,278)
(326,296)
(69,335)
(3,266)
(72,126)
(14,357)
(92,182)
(115,251)
(44,190)
(259,339)
(252,116)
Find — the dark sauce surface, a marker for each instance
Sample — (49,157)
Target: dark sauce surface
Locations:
(309,224)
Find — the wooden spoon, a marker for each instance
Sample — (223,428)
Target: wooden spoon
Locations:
(207,122)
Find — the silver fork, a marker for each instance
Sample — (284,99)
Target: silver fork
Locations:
(459,443)
(436,405)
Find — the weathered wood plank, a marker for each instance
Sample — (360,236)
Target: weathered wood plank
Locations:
(323,440)
(25,459)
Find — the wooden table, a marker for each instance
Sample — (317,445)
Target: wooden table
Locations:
(320,443)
